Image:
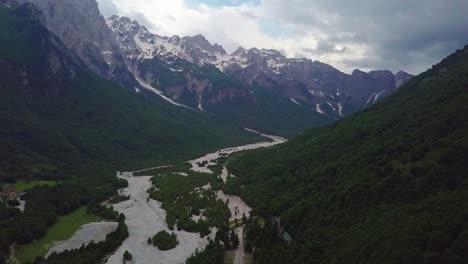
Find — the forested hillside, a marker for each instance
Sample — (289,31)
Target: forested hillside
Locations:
(386,185)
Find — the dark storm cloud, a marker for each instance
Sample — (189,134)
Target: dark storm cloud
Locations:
(397,33)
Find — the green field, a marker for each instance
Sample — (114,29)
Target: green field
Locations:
(61,230)
(21,185)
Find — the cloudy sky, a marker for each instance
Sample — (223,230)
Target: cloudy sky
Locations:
(367,34)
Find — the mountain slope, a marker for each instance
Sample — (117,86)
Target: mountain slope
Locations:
(83,30)
(387,185)
(57,116)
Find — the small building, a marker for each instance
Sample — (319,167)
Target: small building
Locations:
(8,193)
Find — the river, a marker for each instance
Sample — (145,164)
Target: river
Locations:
(145,217)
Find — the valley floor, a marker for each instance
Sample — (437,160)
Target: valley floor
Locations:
(145,217)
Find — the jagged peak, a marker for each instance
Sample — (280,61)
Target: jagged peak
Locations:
(189,47)
(200,41)
(239,51)
(254,50)
(123,19)
(273,52)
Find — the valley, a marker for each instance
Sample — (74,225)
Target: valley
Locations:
(145,216)
(123,143)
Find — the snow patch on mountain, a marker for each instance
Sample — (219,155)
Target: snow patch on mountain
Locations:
(340,109)
(158,92)
(200,105)
(318,109)
(331,105)
(296,102)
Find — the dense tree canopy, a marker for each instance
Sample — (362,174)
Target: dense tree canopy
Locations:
(386,185)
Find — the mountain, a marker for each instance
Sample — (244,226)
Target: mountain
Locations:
(255,88)
(82,29)
(57,115)
(386,185)
(188,69)
(180,75)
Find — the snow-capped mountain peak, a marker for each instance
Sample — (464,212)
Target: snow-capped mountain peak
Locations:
(298,79)
(137,42)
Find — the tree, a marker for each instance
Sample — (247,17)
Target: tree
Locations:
(121,218)
(234,239)
(165,241)
(248,246)
(127,256)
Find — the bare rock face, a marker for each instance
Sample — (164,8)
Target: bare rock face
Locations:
(83,30)
(53,68)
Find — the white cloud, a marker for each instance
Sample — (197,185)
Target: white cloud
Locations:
(369,35)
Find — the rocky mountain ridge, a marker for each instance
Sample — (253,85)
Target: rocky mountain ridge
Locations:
(304,82)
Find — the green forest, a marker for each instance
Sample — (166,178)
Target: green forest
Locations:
(386,185)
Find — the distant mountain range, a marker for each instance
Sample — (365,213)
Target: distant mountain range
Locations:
(261,89)
(169,62)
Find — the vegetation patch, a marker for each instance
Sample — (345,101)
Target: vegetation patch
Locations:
(185,196)
(127,256)
(22,185)
(119,198)
(191,196)
(212,254)
(165,241)
(182,167)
